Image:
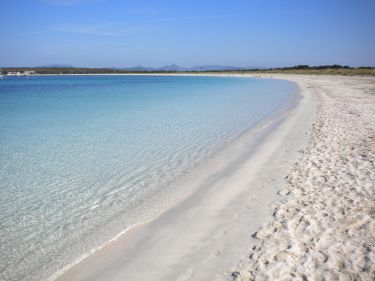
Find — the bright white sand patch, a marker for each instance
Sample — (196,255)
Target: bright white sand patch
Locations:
(325,227)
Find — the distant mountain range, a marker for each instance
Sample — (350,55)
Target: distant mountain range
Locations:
(175,67)
(169,67)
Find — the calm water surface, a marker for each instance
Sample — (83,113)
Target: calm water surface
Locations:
(83,158)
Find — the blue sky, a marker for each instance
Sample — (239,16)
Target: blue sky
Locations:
(248,33)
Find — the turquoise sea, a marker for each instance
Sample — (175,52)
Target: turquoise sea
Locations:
(83,158)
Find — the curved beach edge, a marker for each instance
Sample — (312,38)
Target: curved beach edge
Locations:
(204,236)
(228,157)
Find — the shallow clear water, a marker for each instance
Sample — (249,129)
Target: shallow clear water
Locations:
(83,157)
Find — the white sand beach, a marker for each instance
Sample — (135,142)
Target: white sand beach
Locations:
(324,229)
(320,158)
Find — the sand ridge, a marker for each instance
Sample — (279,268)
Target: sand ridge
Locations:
(324,229)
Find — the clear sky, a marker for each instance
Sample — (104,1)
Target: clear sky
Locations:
(247,33)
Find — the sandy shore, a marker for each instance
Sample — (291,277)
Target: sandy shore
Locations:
(324,227)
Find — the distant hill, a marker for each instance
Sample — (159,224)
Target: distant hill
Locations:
(169,67)
(175,67)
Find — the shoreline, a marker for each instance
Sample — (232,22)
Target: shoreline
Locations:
(228,156)
(198,200)
(148,213)
(252,240)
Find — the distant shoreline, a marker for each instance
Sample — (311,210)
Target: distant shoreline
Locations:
(301,69)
